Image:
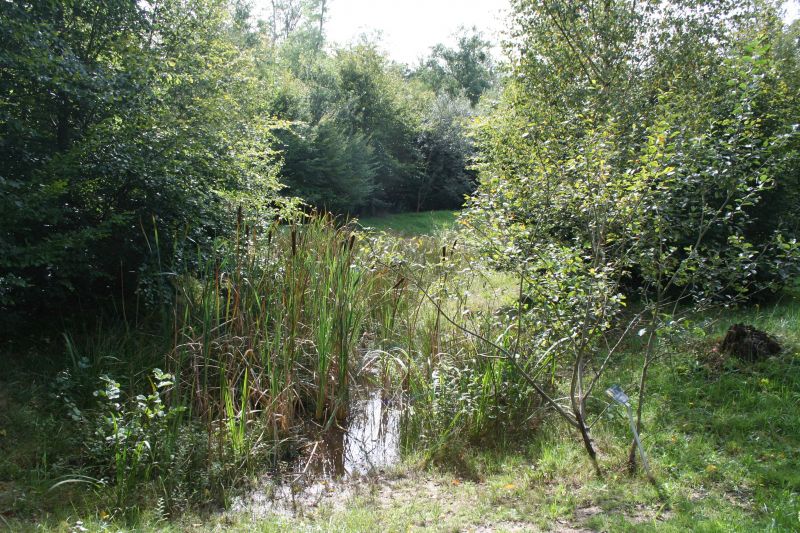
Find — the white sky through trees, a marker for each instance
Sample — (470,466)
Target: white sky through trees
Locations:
(409,28)
(792,8)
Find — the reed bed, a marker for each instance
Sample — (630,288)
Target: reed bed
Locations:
(268,333)
(273,331)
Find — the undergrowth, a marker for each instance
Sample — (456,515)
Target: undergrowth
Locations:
(158,424)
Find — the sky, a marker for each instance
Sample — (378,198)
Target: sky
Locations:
(792,8)
(409,28)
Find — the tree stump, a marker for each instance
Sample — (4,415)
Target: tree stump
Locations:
(749,343)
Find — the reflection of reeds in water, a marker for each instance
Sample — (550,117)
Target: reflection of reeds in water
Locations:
(366,440)
(372,439)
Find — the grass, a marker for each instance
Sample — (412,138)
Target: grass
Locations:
(724,441)
(412,224)
(267,341)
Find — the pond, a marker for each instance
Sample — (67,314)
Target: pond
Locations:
(331,465)
(368,440)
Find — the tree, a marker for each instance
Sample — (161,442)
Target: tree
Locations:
(328,168)
(466,70)
(445,180)
(364,136)
(629,156)
(122,122)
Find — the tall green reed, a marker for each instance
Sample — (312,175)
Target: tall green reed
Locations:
(269,329)
(288,309)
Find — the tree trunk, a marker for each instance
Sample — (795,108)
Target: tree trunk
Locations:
(587,444)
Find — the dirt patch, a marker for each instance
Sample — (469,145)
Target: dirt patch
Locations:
(565,526)
(584,513)
(405,490)
(505,525)
(644,514)
(742,498)
(296,499)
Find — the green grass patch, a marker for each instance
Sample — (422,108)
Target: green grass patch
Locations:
(412,224)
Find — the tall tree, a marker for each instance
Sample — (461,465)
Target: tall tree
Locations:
(466,70)
(698,67)
(120,121)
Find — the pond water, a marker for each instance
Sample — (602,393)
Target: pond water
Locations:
(367,441)
(332,464)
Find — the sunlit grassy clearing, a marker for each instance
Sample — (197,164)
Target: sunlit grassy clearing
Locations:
(411,224)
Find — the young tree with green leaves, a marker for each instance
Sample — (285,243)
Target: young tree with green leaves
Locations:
(631,157)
